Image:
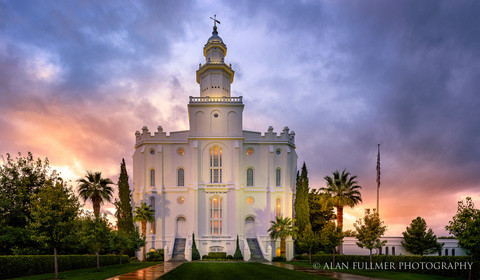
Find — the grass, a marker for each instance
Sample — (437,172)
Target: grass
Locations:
(92,274)
(385,274)
(230,271)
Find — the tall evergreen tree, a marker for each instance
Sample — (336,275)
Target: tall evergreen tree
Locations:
(123,205)
(195,252)
(418,240)
(302,211)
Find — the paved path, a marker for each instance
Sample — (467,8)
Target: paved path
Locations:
(326,273)
(149,273)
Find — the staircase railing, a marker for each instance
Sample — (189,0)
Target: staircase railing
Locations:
(264,252)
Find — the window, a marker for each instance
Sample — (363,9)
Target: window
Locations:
(215,165)
(249,151)
(380,251)
(278,151)
(249,201)
(386,251)
(152,224)
(180,200)
(446,252)
(180,151)
(393,251)
(278,173)
(453,252)
(216,215)
(249,177)
(278,209)
(181,177)
(152,177)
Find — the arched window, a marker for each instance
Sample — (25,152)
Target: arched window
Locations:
(386,251)
(446,252)
(180,177)
(216,215)
(249,177)
(393,251)
(152,177)
(380,251)
(278,174)
(152,224)
(278,208)
(453,252)
(215,164)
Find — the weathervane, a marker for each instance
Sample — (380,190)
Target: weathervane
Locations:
(214,18)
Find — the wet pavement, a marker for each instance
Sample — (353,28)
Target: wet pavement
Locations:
(321,272)
(149,273)
(156,271)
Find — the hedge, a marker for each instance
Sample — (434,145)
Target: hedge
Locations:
(401,263)
(18,266)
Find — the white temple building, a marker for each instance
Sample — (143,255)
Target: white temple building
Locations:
(215,180)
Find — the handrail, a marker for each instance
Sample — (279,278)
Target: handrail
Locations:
(208,99)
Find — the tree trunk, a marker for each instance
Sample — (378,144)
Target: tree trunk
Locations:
(340,225)
(55,262)
(370,259)
(283,247)
(144,231)
(310,255)
(98,260)
(96,206)
(334,249)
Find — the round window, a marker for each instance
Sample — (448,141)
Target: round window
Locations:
(250,200)
(215,115)
(152,151)
(181,151)
(180,200)
(278,151)
(250,151)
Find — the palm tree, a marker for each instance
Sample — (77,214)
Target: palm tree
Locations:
(283,228)
(144,214)
(95,188)
(343,191)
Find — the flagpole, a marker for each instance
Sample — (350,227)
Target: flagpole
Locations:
(378,180)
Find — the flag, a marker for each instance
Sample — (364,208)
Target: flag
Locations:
(378,167)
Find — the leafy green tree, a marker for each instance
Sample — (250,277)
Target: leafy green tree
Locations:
(302,212)
(20,178)
(195,252)
(330,237)
(308,240)
(96,234)
(53,212)
(96,189)
(123,242)
(342,190)
(320,214)
(123,205)
(238,253)
(418,240)
(283,228)
(144,214)
(369,231)
(465,225)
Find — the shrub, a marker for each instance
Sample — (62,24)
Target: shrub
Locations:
(238,254)
(195,252)
(19,266)
(279,259)
(156,256)
(217,255)
(205,257)
(229,257)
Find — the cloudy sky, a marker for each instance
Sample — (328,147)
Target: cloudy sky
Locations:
(78,78)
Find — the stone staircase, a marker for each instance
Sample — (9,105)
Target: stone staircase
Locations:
(179,250)
(255,251)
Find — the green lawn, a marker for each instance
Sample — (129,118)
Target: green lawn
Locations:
(231,271)
(385,274)
(92,274)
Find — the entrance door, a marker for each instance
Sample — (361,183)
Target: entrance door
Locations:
(181,227)
(250,227)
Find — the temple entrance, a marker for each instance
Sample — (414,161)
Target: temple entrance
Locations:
(250,227)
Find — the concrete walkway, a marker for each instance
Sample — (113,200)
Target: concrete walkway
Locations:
(149,273)
(321,272)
